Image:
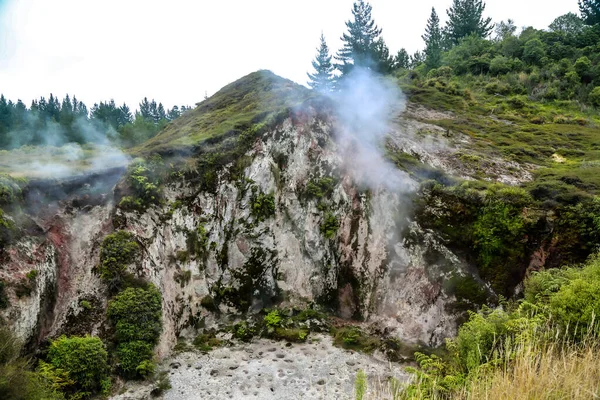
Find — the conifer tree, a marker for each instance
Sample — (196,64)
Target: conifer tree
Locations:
(466,18)
(322,79)
(360,42)
(160,112)
(145,109)
(402,59)
(173,113)
(590,11)
(433,41)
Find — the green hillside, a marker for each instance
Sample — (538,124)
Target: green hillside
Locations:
(233,109)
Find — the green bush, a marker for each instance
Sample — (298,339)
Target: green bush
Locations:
(18,381)
(136,314)
(135,359)
(263,205)
(500,65)
(83,358)
(329,226)
(272,320)
(117,251)
(144,178)
(594,96)
(534,52)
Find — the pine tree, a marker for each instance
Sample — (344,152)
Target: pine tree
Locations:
(402,59)
(173,113)
(465,18)
(322,79)
(417,59)
(433,41)
(145,109)
(125,116)
(360,41)
(154,112)
(160,112)
(590,11)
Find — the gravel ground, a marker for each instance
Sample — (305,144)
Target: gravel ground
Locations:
(266,369)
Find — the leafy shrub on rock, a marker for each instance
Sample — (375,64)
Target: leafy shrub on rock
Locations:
(118,250)
(136,314)
(83,358)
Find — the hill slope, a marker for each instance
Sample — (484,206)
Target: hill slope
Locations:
(233,109)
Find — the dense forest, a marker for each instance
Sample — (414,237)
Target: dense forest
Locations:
(558,63)
(55,122)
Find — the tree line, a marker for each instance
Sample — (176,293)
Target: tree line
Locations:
(53,121)
(562,62)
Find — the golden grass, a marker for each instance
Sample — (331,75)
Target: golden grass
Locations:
(554,371)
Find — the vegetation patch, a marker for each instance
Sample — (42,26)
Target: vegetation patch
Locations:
(135,315)
(263,205)
(144,179)
(84,360)
(117,251)
(329,226)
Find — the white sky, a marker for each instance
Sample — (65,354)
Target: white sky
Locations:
(176,50)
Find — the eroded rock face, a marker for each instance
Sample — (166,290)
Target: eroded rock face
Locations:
(363,266)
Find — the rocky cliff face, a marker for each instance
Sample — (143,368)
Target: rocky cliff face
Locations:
(285,224)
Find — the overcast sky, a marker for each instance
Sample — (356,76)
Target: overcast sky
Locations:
(176,50)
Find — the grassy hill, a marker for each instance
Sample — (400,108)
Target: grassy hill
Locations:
(233,109)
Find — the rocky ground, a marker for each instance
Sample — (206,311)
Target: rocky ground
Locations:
(265,369)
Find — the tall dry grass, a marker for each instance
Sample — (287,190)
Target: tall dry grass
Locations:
(542,371)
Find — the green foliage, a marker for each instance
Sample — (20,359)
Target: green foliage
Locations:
(322,79)
(260,97)
(136,314)
(19,382)
(465,18)
(590,11)
(352,337)
(272,320)
(561,305)
(263,205)
(135,359)
(144,178)
(206,342)
(183,277)
(319,188)
(594,96)
(84,359)
(363,45)
(117,251)
(571,296)
(329,226)
(360,385)
(433,41)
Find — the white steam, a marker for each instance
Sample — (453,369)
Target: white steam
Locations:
(365,104)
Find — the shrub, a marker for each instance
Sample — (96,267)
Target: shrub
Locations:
(136,314)
(117,251)
(329,226)
(272,320)
(594,97)
(83,358)
(534,52)
(144,178)
(263,205)
(135,359)
(500,65)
